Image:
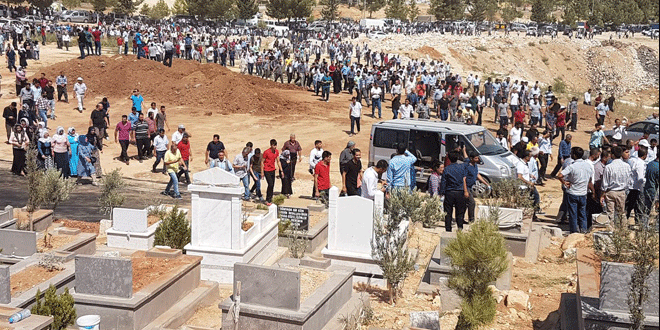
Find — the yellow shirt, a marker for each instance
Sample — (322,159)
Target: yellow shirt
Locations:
(531,145)
(175,157)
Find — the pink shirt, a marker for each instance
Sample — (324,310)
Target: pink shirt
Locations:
(60,143)
(124,130)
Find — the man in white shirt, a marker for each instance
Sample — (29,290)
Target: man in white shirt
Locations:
(587,97)
(79,88)
(515,135)
(616,180)
(371,177)
(577,178)
(638,168)
(405,110)
(602,110)
(178,135)
(375,93)
(524,175)
(152,109)
(160,146)
(355,112)
(619,130)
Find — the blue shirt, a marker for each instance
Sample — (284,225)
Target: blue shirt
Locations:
(399,170)
(564,149)
(133,118)
(472,171)
(452,178)
(652,178)
(137,102)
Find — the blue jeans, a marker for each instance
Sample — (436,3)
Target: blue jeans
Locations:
(375,103)
(246,184)
(160,155)
(44,117)
(444,114)
(97,48)
(140,52)
(82,50)
(174,181)
(577,213)
(256,187)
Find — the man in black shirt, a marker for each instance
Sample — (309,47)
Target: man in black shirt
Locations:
(50,96)
(352,174)
(443,104)
(82,41)
(10,114)
(140,133)
(532,132)
(212,150)
(97,119)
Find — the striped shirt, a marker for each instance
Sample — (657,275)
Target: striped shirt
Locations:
(616,176)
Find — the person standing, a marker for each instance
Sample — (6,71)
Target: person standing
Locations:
(97,119)
(352,174)
(295,153)
(161,119)
(522,168)
(62,151)
(96,34)
(355,113)
(270,157)
(453,187)
(322,176)
(82,42)
(371,178)
(10,114)
(400,167)
(545,152)
(186,155)
(638,168)
(471,177)
(375,93)
(140,132)
(178,135)
(616,181)
(396,91)
(168,46)
(564,153)
(503,112)
(598,137)
(61,83)
(49,92)
(79,88)
(137,99)
(651,188)
(122,135)
(241,171)
(285,174)
(602,111)
(212,150)
(172,160)
(160,147)
(315,157)
(577,179)
(19,142)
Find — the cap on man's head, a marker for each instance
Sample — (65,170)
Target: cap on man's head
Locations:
(644,143)
(182,127)
(80,78)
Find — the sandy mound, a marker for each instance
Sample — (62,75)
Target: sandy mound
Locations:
(187,83)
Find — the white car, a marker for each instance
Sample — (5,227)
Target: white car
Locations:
(377,35)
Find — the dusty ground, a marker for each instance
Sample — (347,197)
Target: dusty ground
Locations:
(29,277)
(312,119)
(147,270)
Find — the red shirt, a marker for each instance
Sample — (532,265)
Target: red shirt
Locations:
(120,41)
(270,157)
(124,130)
(519,116)
(561,120)
(323,179)
(97,35)
(184,148)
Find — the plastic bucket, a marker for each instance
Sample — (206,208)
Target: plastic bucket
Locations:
(89,322)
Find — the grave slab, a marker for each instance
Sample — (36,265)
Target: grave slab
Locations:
(268,286)
(104,276)
(129,220)
(18,243)
(5,286)
(425,320)
(615,285)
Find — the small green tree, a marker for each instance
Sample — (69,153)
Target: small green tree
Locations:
(160,10)
(145,10)
(540,11)
(99,5)
(173,230)
(478,258)
(180,7)
(373,6)
(301,8)
(405,204)
(246,9)
(278,9)
(112,186)
(127,7)
(71,4)
(397,9)
(60,307)
(55,188)
(330,11)
(413,11)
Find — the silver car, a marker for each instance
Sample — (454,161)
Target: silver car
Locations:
(636,130)
(430,140)
(76,16)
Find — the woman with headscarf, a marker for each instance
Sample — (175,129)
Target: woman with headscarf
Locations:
(28,129)
(86,160)
(22,55)
(73,142)
(94,139)
(285,160)
(21,78)
(19,141)
(61,151)
(45,150)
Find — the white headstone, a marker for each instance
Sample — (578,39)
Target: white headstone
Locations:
(216,177)
(354,226)
(129,220)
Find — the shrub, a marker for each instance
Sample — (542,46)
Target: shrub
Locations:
(158,211)
(507,193)
(279,200)
(644,256)
(478,258)
(481,48)
(531,44)
(60,307)
(112,185)
(55,188)
(559,86)
(545,60)
(296,242)
(173,230)
(404,204)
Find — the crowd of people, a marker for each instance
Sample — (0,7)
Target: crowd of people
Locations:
(530,119)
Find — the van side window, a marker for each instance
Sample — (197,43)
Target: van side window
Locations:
(389,138)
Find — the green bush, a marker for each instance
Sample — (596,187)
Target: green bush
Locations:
(559,86)
(481,48)
(279,200)
(173,230)
(60,307)
(507,193)
(415,207)
(112,185)
(478,258)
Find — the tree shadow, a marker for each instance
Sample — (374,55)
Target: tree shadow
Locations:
(378,292)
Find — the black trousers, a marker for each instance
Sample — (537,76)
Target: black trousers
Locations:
(142,145)
(471,205)
(167,60)
(454,200)
(61,90)
(543,158)
(124,148)
(557,167)
(633,202)
(270,180)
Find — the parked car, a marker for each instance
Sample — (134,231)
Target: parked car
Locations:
(430,140)
(532,31)
(377,35)
(635,131)
(77,16)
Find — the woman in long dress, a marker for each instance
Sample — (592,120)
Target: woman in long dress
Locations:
(73,161)
(61,151)
(94,139)
(285,160)
(86,160)
(19,141)
(44,147)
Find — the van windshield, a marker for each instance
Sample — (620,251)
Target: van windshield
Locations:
(485,143)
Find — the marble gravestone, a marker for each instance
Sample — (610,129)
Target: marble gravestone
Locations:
(217,234)
(105,276)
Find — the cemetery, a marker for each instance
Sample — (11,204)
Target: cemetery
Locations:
(121,278)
